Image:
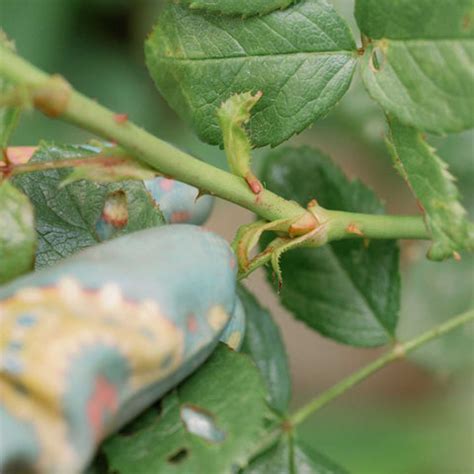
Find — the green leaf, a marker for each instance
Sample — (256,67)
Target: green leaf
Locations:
(9,116)
(199,60)
(209,424)
(70,218)
(264,344)
(433,186)
(17,233)
(420,63)
(449,287)
(292,456)
(347,290)
(238,7)
(233,114)
(456,150)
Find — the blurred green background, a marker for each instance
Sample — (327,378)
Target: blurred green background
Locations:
(413,418)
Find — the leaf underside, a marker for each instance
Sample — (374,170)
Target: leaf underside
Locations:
(301,58)
(67,217)
(17,233)
(347,290)
(434,187)
(420,64)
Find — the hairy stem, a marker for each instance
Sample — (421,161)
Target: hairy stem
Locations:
(397,352)
(53,96)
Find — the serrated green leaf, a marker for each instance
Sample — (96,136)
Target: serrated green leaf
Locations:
(238,7)
(199,60)
(456,150)
(68,219)
(434,187)
(292,456)
(264,344)
(228,398)
(420,64)
(17,233)
(347,290)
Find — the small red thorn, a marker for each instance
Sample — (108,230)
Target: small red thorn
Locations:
(312,203)
(120,118)
(254,184)
(200,194)
(353,229)
(456,256)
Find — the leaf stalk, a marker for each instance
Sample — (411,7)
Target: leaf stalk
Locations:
(397,352)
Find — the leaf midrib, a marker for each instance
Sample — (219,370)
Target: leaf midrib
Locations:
(343,52)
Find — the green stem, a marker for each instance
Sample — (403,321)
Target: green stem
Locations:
(160,155)
(171,161)
(374,226)
(398,352)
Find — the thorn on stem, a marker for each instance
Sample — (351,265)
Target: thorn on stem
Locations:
(120,118)
(254,184)
(456,256)
(354,229)
(200,194)
(399,350)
